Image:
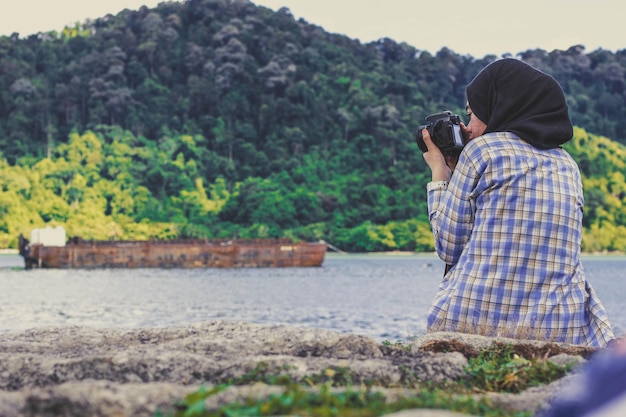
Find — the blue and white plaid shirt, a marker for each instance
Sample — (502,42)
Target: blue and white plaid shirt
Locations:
(510,223)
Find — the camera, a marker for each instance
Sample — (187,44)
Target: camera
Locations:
(445,131)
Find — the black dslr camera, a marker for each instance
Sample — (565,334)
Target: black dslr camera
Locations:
(445,131)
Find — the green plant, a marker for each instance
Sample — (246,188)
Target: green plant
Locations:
(500,369)
(323,402)
(495,369)
(262,373)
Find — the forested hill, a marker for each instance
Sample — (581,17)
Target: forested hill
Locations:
(246,77)
(218,117)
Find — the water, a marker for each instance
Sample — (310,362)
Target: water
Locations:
(382,296)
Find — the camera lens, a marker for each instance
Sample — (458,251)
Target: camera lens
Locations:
(419,138)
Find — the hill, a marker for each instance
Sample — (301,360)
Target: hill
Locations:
(221,118)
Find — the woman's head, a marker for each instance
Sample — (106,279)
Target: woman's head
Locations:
(509,95)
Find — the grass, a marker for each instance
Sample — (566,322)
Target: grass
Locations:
(500,369)
(323,402)
(331,393)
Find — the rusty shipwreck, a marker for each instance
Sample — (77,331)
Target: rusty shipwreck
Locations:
(50,249)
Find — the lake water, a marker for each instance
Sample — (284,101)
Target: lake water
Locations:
(382,296)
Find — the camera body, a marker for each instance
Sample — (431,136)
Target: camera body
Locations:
(445,131)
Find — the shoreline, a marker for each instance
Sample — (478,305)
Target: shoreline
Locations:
(8,251)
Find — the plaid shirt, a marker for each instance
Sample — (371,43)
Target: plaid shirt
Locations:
(510,223)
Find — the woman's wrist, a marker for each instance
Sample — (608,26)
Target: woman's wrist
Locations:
(442,175)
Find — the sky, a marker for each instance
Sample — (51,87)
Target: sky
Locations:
(475,27)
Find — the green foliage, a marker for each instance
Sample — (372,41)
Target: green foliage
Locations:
(366,238)
(294,400)
(500,369)
(223,119)
(256,85)
(602,164)
(314,395)
(94,186)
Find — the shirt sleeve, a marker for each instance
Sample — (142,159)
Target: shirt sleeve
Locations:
(451,210)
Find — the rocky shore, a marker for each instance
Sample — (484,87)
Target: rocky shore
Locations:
(80,371)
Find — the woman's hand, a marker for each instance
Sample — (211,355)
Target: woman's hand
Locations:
(441,166)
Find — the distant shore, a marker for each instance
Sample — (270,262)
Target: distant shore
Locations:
(389,253)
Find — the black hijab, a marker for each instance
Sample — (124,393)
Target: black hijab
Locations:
(511,96)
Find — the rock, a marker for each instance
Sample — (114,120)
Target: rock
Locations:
(78,371)
(92,398)
(564,359)
(471,344)
(535,398)
(427,413)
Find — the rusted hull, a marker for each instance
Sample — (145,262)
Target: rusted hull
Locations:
(176,254)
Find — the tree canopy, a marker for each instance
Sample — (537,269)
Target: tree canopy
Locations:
(215,118)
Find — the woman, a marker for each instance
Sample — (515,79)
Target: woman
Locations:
(507,217)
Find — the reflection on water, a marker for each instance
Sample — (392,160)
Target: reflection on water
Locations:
(385,297)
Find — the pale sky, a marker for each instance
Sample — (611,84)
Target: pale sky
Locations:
(472,27)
